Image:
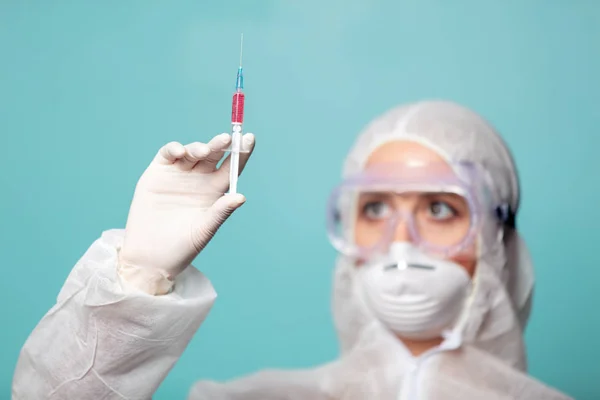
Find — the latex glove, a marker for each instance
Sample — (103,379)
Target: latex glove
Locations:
(178,206)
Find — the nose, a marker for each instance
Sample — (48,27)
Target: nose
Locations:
(402,232)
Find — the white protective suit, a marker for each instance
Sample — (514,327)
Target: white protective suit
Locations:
(104,340)
(487,359)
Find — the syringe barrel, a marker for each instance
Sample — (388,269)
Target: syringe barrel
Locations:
(237,108)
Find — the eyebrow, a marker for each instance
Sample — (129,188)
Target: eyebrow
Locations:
(423,195)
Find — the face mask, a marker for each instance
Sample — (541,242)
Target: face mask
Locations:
(414,295)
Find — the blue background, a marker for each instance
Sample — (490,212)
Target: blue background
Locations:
(90,90)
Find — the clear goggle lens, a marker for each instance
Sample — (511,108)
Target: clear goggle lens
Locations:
(436,207)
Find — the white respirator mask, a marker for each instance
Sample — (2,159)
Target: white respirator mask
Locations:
(414,295)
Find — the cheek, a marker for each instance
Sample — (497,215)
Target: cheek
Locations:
(468,265)
(367,234)
(467,259)
(359,235)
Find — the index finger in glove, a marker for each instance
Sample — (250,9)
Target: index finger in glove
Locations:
(170,153)
(217,145)
(204,157)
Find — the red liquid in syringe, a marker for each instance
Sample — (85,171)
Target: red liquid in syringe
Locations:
(237,107)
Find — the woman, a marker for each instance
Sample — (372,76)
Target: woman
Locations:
(432,288)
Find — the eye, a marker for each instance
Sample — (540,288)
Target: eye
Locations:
(441,210)
(376,210)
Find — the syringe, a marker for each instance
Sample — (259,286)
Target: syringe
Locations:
(237,119)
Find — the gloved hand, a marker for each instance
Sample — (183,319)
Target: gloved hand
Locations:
(178,206)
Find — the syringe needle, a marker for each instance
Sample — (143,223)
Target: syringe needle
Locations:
(241,48)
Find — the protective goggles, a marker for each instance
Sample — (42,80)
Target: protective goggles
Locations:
(439,207)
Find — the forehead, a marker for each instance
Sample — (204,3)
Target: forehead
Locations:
(403,152)
(407,159)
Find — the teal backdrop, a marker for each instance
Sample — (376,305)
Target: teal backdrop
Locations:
(90,90)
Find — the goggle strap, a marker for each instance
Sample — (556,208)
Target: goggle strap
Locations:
(506,215)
